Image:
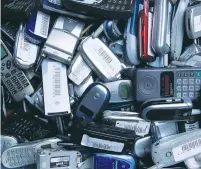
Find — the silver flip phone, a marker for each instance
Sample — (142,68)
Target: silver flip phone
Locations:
(101,59)
(79,90)
(25,154)
(58,159)
(177,31)
(25,53)
(55,88)
(79,71)
(193,21)
(13,78)
(63,39)
(176,148)
(120,91)
(160,32)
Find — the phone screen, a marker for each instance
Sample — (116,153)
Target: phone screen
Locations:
(3,52)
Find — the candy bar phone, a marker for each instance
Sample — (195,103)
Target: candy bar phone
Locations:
(160,27)
(55,80)
(167,82)
(64,30)
(17,10)
(108,161)
(25,53)
(120,91)
(26,153)
(58,159)
(104,137)
(57,7)
(144,34)
(192,20)
(131,36)
(13,78)
(37,28)
(100,59)
(103,8)
(177,31)
(97,94)
(176,148)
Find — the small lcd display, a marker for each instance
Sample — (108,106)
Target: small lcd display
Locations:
(124,91)
(167,84)
(3,52)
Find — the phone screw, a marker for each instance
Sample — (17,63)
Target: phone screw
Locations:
(168,154)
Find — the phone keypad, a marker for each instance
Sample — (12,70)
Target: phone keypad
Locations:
(188,84)
(19,156)
(121,5)
(15,80)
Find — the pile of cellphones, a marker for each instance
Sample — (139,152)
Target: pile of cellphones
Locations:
(101,84)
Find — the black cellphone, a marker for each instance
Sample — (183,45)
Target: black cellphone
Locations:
(28,126)
(119,9)
(18,9)
(103,137)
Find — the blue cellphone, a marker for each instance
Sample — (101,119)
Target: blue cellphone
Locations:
(93,102)
(110,161)
(131,36)
(37,28)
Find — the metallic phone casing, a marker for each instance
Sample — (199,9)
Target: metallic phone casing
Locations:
(192,20)
(101,59)
(63,39)
(58,159)
(168,151)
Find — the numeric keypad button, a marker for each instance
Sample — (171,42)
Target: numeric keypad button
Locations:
(19,74)
(191,94)
(185,74)
(197,81)
(192,74)
(7,75)
(179,81)
(123,7)
(13,71)
(185,81)
(178,74)
(191,88)
(185,94)
(178,88)
(197,94)
(8,64)
(197,88)
(185,88)
(178,94)
(191,81)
